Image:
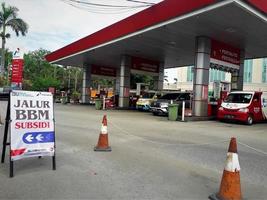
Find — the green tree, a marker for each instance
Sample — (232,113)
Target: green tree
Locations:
(8,57)
(2,81)
(140,78)
(35,65)
(8,60)
(72,78)
(103,82)
(40,74)
(43,83)
(8,19)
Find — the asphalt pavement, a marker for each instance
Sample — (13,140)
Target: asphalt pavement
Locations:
(151,158)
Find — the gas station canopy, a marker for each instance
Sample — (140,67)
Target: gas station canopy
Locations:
(166,32)
(174,33)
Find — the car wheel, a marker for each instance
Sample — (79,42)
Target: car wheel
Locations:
(249,120)
(155,114)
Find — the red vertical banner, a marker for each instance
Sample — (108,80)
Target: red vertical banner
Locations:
(126,92)
(52,90)
(205,92)
(17,71)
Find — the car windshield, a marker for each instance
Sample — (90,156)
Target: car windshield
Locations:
(184,96)
(171,96)
(238,98)
(148,95)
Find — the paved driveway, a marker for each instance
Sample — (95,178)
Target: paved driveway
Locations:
(151,158)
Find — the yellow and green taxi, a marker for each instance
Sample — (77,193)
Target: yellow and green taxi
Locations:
(144,102)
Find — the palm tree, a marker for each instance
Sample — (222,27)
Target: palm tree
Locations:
(8,18)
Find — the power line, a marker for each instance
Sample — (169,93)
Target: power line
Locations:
(98,11)
(103,8)
(103,5)
(143,2)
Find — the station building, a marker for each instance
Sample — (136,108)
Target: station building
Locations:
(255,76)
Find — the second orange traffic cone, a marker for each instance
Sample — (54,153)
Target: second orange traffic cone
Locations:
(102,144)
(230,188)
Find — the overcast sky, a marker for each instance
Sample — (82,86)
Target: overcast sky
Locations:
(54,23)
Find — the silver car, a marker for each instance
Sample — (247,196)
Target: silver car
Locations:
(160,107)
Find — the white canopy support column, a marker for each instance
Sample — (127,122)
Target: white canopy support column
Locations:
(86,83)
(237,79)
(125,72)
(117,83)
(158,80)
(201,77)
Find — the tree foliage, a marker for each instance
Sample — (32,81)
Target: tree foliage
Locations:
(141,78)
(108,83)
(9,19)
(8,59)
(40,75)
(43,83)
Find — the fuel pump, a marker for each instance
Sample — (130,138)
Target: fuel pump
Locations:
(220,92)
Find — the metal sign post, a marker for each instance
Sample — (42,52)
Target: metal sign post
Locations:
(104,102)
(5,143)
(183,111)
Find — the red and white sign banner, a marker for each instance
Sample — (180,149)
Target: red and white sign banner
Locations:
(103,71)
(205,92)
(17,71)
(52,90)
(17,54)
(126,92)
(224,55)
(32,124)
(145,65)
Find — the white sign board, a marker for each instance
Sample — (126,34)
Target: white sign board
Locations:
(32,124)
(17,54)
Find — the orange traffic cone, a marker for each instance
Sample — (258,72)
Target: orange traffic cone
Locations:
(103,137)
(230,188)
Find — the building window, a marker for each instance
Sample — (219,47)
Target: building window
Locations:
(216,75)
(211,75)
(248,71)
(264,70)
(190,73)
(223,76)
